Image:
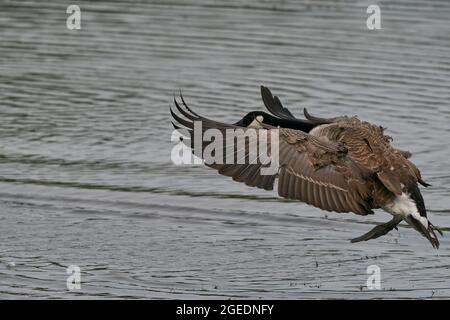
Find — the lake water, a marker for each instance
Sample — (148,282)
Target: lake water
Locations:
(85,172)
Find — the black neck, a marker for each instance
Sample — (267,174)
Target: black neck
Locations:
(296,124)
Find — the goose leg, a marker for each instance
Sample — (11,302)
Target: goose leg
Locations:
(379,230)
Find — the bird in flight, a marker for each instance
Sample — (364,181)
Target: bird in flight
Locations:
(339,164)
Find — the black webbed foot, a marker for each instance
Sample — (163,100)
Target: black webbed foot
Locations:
(379,230)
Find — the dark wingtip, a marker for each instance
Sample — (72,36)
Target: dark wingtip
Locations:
(266,95)
(187,107)
(265,90)
(317,120)
(189,115)
(175,126)
(306,113)
(274,105)
(311,117)
(180,120)
(423,183)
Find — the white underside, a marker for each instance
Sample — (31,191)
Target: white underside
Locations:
(403,206)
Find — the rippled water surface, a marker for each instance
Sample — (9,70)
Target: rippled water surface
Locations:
(85,172)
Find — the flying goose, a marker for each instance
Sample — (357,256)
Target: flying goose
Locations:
(339,164)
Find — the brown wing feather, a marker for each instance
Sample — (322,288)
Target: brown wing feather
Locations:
(324,173)
(317,172)
(369,147)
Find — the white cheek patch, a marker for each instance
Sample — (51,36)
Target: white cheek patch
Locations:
(256,124)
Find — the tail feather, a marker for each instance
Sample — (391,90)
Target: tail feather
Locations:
(428,232)
(436,229)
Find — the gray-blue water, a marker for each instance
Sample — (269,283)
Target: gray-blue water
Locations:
(85,172)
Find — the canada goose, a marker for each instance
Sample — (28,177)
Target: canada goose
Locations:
(339,164)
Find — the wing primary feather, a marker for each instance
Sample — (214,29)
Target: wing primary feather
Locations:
(274,105)
(189,109)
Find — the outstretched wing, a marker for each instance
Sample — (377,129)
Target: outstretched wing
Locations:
(311,170)
(240,167)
